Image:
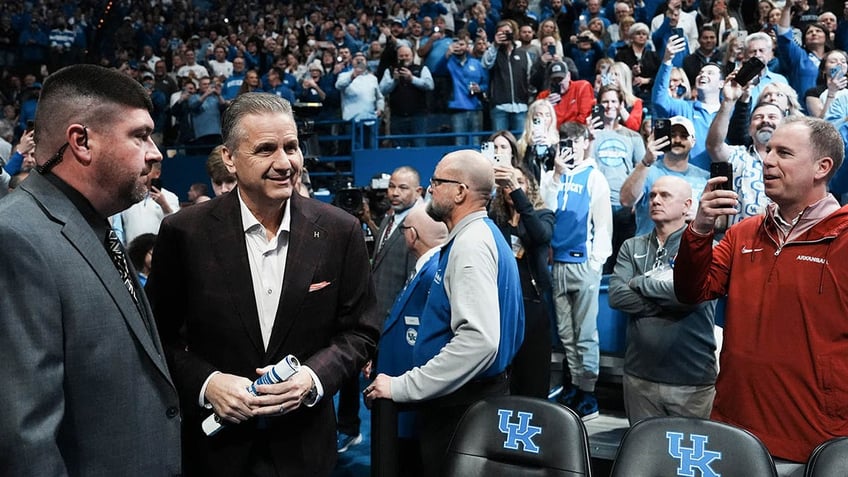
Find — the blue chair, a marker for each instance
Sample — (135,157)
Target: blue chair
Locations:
(829,459)
(663,446)
(517,435)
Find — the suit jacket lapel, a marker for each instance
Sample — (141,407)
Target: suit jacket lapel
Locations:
(306,244)
(396,235)
(224,230)
(80,235)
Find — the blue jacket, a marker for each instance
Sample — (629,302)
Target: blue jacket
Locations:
(435,331)
(666,107)
(799,65)
(400,331)
(462,75)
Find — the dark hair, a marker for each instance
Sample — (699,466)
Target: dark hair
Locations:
(611,87)
(573,130)
(513,144)
(139,247)
(821,78)
(85,94)
(828,45)
(706,28)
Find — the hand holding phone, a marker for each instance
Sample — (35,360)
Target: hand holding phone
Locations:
(662,128)
(722,169)
(750,69)
(597,115)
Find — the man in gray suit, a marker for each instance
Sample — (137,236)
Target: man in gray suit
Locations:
(86,387)
(391,265)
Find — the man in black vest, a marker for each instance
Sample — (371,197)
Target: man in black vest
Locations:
(406,84)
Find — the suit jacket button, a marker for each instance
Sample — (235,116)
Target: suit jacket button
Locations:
(172,412)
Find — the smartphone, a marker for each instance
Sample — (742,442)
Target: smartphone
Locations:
(837,72)
(662,128)
(30,125)
(566,146)
(157,183)
(678,32)
(749,70)
(597,113)
(552,50)
(509,36)
(556,86)
(722,169)
(488,151)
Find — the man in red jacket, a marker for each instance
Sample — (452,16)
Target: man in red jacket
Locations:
(785,354)
(572,100)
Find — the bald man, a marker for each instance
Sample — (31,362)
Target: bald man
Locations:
(473,321)
(669,361)
(406,84)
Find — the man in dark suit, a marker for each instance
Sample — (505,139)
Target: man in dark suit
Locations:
(424,237)
(391,266)
(245,279)
(86,387)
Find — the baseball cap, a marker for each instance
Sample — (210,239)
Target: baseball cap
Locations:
(685,122)
(557,69)
(147,75)
(397,21)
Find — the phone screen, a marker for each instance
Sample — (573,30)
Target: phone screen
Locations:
(552,50)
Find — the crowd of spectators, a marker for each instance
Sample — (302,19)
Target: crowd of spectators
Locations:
(483,61)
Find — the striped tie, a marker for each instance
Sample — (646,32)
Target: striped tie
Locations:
(116,252)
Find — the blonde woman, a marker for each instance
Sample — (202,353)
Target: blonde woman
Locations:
(548,28)
(539,138)
(631,113)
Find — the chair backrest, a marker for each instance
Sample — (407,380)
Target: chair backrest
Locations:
(671,446)
(829,459)
(517,435)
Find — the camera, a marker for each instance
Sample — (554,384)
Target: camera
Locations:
(509,36)
(339,59)
(436,29)
(350,200)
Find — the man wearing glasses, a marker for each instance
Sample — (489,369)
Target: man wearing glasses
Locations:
(473,321)
(670,361)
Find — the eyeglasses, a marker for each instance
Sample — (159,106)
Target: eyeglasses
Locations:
(436,182)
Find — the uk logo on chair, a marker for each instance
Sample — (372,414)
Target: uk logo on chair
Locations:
(691,458)
(520,432)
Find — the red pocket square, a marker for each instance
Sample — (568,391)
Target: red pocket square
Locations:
(317,286)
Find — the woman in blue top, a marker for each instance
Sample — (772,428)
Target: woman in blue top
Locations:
(801,65)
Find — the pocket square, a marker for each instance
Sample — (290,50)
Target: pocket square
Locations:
(317,286)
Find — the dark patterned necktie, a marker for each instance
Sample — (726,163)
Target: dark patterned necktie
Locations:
(388,232)
(116,253)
